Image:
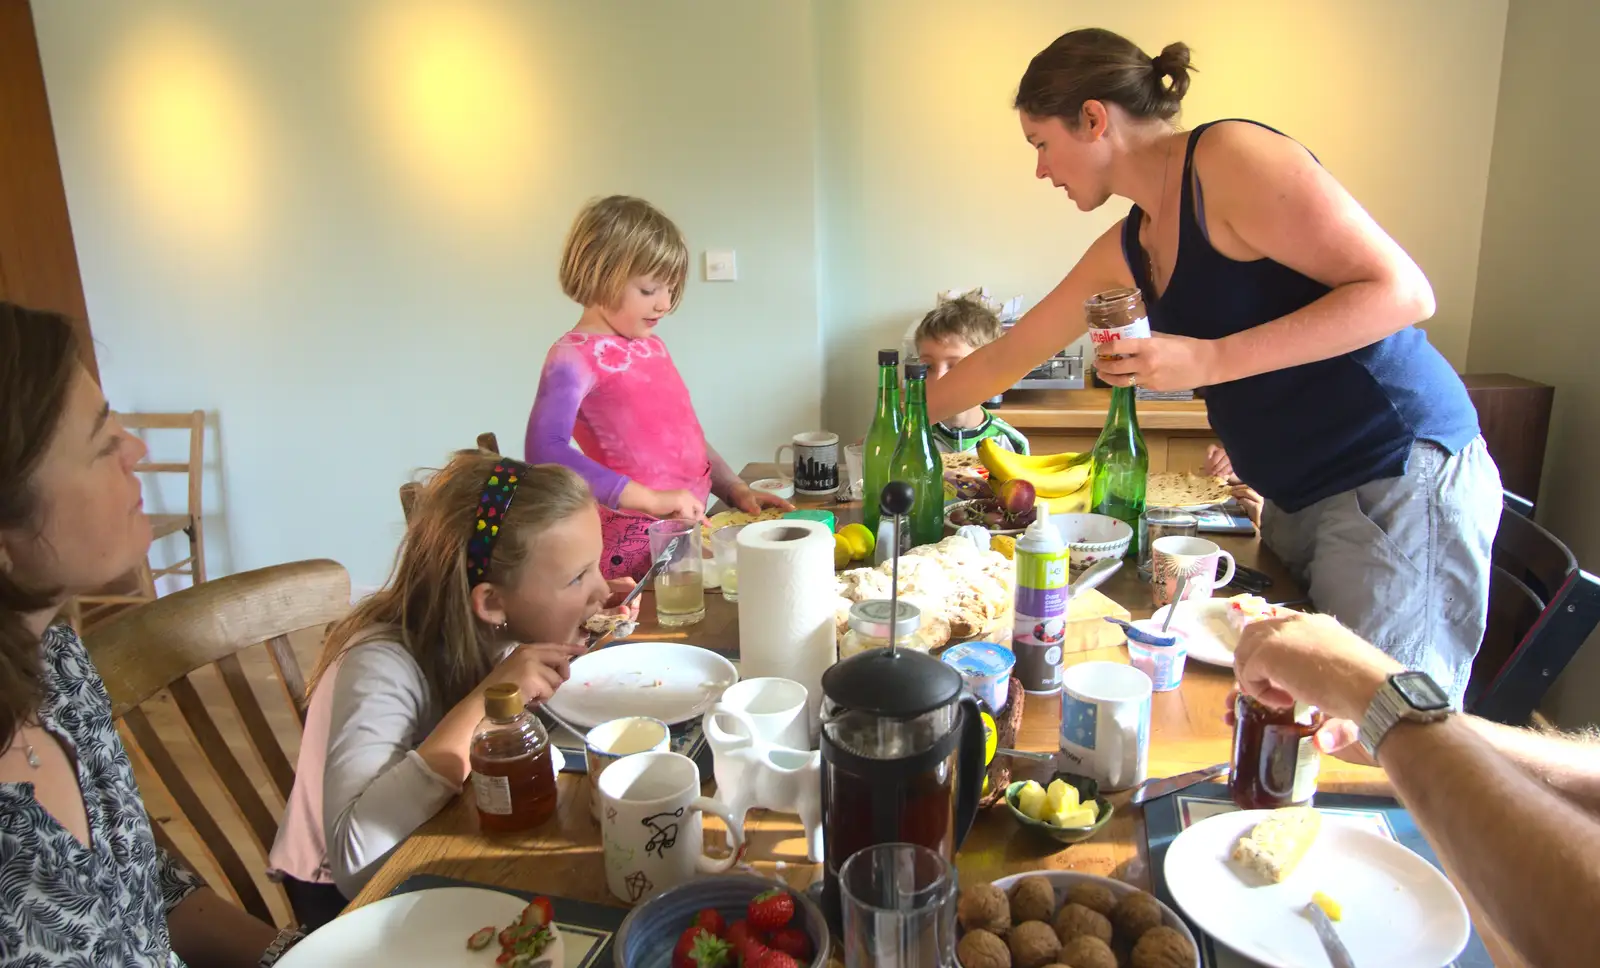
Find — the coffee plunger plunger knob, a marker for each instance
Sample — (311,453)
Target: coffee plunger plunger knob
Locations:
(896,501)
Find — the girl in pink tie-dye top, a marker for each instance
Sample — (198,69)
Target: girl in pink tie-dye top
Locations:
(610,385)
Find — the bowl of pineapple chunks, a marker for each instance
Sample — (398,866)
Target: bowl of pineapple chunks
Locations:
(1068,809)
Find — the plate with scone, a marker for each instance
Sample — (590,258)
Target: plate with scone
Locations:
(1247,877)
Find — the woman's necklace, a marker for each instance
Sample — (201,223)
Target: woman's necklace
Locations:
(1155,223)
(28,751)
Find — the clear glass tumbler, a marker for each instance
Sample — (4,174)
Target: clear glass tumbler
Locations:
(725,558)
(680,584)
(899,908)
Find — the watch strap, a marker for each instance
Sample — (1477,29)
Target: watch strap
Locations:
(1390,707)
(286,939)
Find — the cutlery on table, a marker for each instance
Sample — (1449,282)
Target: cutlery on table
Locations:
(627,628)
(1338,954)
(1153,789)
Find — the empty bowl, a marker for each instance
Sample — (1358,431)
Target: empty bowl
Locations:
(1091,538)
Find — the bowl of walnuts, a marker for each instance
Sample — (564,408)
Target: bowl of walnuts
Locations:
(1066,918)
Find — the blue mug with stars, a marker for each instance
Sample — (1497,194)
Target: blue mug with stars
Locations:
(1105,723)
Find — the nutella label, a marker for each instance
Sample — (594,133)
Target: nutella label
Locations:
(1138,329)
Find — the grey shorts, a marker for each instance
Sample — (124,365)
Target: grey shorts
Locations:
(1404,561)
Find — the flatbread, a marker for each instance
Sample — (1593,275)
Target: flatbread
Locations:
(965,460)
(727,519)
(1172,490)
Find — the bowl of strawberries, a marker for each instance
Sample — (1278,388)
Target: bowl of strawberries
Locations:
(726,921)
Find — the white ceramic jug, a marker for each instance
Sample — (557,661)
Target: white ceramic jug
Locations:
(751,773)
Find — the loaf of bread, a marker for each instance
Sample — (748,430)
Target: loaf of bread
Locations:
(1277,844)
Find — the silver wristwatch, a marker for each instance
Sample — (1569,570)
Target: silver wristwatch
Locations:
(1411,697)
(286,939)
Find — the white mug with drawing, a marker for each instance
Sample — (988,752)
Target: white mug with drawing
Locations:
(650,825)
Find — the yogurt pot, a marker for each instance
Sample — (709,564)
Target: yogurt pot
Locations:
(776,486)
(1159,656)
(986,669)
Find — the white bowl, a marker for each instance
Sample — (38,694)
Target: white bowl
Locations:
(1062,880)
(776,486)
(1091,538)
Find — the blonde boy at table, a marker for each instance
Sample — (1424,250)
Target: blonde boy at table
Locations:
(1514,814)
(950,333)
(498,572)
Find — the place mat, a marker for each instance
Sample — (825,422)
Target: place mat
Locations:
(1166,817)
(587,929)
(1225,519)
(687,738)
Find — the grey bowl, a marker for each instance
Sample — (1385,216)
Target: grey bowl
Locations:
(651,929)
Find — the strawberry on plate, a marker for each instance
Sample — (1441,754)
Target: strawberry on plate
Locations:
(771,958)
(712,921)
(791,941)
(699,948)
(771,910)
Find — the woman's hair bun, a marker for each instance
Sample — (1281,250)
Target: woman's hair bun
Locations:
(1172,64)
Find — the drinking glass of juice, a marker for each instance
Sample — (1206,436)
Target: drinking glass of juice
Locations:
(679,585)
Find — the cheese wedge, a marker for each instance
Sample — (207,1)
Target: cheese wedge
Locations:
(1278,844)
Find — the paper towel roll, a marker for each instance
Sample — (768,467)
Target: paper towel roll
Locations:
(786,599)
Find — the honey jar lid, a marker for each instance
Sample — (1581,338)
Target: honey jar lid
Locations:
(503,700)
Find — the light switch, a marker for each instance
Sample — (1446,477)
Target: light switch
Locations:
(721,265)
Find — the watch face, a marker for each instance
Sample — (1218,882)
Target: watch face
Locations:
(1420,691)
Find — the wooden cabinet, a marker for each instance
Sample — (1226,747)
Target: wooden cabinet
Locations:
(38,264)
(1170,450)
(1515,416)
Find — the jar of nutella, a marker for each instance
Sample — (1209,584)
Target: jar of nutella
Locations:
(1116,314)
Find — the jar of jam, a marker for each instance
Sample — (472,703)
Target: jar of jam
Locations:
(513,774)
(1275,756)
(1116,314)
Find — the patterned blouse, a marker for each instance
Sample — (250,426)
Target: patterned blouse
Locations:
(62,904)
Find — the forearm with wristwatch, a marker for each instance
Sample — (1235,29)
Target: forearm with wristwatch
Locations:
(286,939)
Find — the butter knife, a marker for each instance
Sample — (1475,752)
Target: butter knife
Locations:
(1152,789)
(1337,953)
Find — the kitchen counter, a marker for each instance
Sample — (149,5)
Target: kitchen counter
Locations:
(1059,421)
(1086,410)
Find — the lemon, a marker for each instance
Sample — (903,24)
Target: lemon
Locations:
(1005,544)
(859,539)
(842,555)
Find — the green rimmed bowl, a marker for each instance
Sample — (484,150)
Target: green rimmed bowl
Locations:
(1088,789)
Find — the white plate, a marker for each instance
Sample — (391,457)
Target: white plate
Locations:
(1399,911)
(423,929)
(1062,880)
(667,680)
(1205,621)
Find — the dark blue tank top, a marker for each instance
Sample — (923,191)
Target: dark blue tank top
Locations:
(1307,432)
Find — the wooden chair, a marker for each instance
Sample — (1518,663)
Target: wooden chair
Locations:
(139,587)
(1542,607)
(408,490)
(159,646)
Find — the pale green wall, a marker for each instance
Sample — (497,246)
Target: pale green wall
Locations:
(928,183)
(325,221)
(1538,305)
(336,226)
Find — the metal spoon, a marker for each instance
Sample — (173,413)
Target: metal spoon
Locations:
(627,628)
(1183,582)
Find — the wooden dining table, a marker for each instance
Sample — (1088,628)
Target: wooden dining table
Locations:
(564,855)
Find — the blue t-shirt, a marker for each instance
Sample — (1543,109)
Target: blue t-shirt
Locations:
(1308,432)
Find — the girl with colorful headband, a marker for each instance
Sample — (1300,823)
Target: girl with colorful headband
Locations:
(610,384)
(497,575)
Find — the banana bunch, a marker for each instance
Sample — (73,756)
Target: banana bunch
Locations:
(1062,481)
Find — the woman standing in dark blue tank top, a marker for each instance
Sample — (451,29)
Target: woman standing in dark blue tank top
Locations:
(1270,287)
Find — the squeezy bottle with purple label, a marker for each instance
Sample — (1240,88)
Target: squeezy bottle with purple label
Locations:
(1041,605)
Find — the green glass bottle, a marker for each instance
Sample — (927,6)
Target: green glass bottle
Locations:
(882,437)
(1121,466)
(917,462)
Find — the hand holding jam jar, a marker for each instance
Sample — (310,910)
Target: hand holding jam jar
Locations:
(1275,755)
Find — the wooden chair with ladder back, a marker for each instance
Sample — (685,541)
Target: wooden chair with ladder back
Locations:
(162,649)
(139,587)
(1542,607)
(409,490)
